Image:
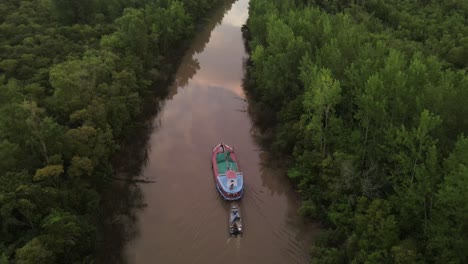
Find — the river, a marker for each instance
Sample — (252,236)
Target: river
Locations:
(184,219)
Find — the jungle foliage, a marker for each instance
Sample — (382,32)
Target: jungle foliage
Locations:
(72,78)
(368,98)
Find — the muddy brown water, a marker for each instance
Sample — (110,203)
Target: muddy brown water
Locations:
(184,219)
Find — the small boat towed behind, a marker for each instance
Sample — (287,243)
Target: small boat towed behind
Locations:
(228,178)
(235,221)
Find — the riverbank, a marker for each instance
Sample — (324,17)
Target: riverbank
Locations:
(73,79)
(123,199)
(357,101)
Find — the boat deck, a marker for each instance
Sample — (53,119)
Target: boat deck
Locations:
(224,182)
(224,161)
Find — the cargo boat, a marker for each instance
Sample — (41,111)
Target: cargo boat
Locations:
(228,178)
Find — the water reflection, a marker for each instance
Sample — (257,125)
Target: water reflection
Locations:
(238,15)
(190,64)
(185,73)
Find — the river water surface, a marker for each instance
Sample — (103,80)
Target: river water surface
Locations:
(184,219)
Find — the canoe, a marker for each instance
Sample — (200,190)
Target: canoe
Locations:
(228,179)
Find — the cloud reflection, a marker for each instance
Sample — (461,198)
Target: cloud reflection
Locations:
(220,67)
(238,14)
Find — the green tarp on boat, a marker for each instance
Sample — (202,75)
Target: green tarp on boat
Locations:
(224,161)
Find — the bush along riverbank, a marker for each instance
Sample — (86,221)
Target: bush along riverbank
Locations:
(72,78)
(368,102)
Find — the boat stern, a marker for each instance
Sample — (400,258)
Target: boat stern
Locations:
(231,185)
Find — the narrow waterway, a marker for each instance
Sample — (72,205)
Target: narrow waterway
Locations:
(184,219)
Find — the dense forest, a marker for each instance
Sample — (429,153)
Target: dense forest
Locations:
(367,100)
(73,75)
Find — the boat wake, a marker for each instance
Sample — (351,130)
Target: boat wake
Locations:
(235,242)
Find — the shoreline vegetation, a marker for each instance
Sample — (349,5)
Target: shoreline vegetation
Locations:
(367,103)
(122,200)
(73,78)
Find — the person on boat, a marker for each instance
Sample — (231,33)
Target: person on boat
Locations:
(235,215)
(222,147)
